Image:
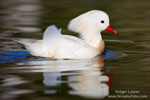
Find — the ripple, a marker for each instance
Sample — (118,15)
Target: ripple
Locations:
(120,41)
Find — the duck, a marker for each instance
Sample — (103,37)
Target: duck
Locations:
(88,45)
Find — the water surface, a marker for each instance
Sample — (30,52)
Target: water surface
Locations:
(23,77)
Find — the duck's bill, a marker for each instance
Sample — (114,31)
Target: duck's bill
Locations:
(111,30)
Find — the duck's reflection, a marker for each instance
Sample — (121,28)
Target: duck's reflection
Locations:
(90,83)
(84,77)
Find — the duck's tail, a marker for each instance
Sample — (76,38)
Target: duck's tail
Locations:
(35,47)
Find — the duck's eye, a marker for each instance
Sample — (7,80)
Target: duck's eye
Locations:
(102,21)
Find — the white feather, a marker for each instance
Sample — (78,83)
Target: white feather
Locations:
(52,39)
(35,47)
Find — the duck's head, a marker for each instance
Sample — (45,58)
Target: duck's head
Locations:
(94,21)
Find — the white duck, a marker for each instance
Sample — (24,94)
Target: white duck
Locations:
(57,46)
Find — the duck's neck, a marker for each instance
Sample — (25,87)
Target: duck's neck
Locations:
(92,38)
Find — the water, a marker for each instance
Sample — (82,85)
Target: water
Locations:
(124,68)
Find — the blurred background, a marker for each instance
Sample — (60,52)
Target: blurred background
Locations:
(44,80)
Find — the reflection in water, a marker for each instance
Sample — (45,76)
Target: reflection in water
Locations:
(8,84)
(86,78)
(89,84)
